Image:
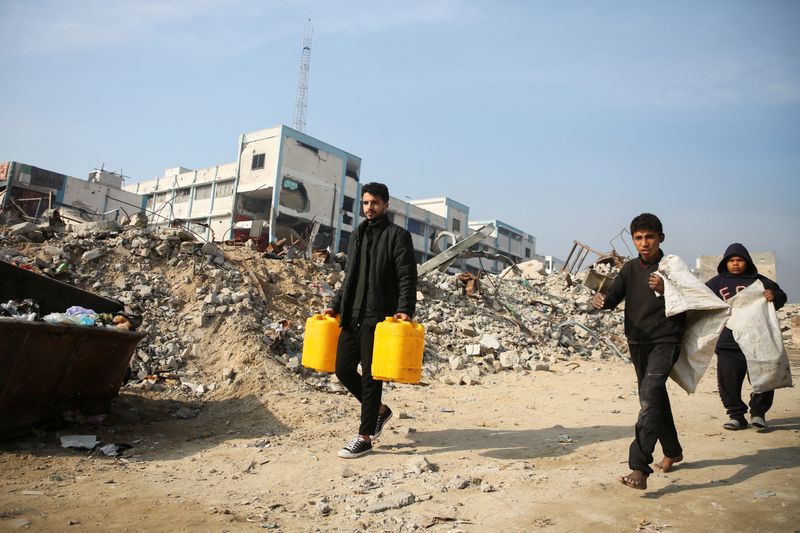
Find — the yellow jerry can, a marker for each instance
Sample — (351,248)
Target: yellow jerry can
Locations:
(319,343)
(397,351)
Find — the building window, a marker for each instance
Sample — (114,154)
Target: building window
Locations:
(149,202)
(203,192)
(456,225)
(416,226)
(161,197)
(258,162)
(348,204)
(181,196)
(224,189)
(528,253)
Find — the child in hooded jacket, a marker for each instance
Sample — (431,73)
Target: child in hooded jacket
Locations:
(737,271)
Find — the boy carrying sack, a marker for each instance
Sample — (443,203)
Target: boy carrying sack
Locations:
(751,344)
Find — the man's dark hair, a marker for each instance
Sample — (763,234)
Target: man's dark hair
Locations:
(646,221)
(376,189)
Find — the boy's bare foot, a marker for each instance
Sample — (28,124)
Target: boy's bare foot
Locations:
(635,480)
(665,465)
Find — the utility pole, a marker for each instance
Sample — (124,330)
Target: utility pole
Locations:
(301,105)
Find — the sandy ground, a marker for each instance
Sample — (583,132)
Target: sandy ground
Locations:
(547,448)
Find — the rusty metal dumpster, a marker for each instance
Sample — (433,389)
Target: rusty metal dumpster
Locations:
(46,369)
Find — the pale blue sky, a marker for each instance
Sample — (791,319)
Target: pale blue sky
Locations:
(564,119)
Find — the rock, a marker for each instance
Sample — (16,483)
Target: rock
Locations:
(99,226)
(473,349)
(457,483)
(188,247)
(470,380)
(393,501)
(322,507)
(91,255)
(419,465)
(457,362)
(509,359)
(467,330)
(487,487)
(489,343)
(138,220)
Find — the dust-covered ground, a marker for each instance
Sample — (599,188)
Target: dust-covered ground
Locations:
(529,451)
(220,430)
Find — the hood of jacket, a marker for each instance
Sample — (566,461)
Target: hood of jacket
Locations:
(737,249)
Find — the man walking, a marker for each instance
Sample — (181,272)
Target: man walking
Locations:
(380,281)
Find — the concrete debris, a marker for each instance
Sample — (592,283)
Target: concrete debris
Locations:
(420,465)
(392,501)
(202,302)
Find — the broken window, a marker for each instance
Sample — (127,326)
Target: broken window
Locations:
(294,195)
(352,169)
(255,205)
(150,201)
(181,196)
(161,197)
(203,192)
(258,161)
(347,219)
(224,189)
(348,204)
(528,253)
(456,225)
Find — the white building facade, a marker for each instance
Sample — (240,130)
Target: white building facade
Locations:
(282,182)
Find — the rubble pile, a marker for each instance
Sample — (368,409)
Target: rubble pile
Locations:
(526,322)
(211,312)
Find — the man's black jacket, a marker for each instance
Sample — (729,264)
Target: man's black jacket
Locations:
(392,279)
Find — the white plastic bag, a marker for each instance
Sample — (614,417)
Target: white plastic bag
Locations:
(755,328)
(705,318)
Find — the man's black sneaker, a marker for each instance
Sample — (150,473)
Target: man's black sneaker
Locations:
(355,448)
(382,419)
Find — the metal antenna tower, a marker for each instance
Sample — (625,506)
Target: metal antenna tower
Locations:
(301,105)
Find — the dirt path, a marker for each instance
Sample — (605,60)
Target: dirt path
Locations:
(538,450)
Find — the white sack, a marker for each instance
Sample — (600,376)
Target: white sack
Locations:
(705,318)
(755,327)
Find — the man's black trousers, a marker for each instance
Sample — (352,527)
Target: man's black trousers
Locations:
(355,346)
(731,371)
(653,363)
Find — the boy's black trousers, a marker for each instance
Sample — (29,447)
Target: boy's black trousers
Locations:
(653,363)
(355,346)
(731,371)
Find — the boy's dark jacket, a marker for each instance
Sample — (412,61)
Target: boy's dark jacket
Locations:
(392,273)
(726,285)
(646,321)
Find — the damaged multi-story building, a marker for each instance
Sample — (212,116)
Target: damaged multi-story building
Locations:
(284,181)
(31,191)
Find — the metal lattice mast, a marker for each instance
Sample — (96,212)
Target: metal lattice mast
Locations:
(301,105)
